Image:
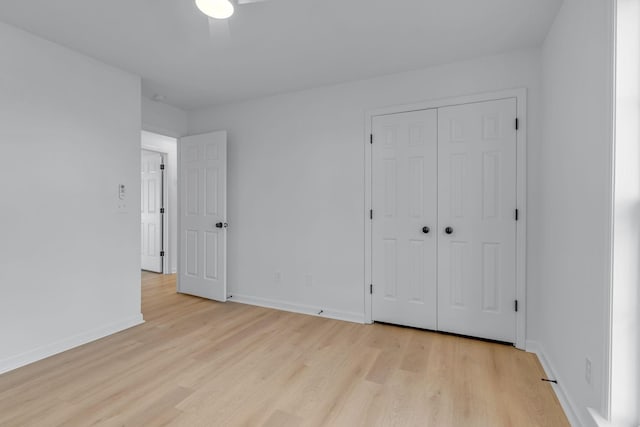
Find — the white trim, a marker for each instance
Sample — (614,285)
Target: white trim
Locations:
(65,344)
(447,102)
(368,226)
(608,297)
(568,405)
(161,131)
(297,308)
(598,419)
(521,226)
(179,211)
(166,216)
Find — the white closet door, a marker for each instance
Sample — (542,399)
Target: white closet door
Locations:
(477,200)
(151,217)
(203,215)
(404,202)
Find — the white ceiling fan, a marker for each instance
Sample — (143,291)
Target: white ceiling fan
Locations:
(218,12)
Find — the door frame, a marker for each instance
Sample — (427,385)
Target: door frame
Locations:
(520,94)
(165,201)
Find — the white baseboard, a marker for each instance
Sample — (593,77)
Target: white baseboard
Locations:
(298,308)
(48,350)
(567,403)
(599,420)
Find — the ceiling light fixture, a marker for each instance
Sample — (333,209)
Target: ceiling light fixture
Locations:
(218,9)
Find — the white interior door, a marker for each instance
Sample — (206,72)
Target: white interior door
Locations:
(202,269)
(151,216)
(404,173)
(477,202)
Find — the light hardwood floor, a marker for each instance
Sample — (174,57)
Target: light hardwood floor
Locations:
(201,363)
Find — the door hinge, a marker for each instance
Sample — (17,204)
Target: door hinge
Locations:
(517,214)
(516,305)
(161,210)
(371,289)
(161,167)
(161,253)
(371,138)
(517,123)
(370,213)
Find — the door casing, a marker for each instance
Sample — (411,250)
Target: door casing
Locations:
(521,187)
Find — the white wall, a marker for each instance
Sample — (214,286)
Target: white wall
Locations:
(163,119)
(572,262)
(69,262)
(296,177)
(625,392)
(169,146)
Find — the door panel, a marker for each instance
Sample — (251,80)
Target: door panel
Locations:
(477,199)
(151,218)
(203,169)
(404,201)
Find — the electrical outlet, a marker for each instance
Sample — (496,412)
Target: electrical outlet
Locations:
(277,277)
(587,370)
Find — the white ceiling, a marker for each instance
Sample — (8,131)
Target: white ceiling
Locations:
(279,45)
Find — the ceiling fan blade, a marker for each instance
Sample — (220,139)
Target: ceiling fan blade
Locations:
(219,32)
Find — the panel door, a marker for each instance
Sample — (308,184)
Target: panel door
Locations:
(151,217)
(477,200)
(203,215)
(404,174)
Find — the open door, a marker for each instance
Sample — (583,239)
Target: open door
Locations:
(151,212)
(202,267)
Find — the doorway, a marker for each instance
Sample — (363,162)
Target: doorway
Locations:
(166,147)
(445,218)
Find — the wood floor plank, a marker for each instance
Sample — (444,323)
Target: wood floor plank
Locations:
(203,363)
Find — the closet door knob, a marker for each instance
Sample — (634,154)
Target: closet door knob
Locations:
(426,230)
(448,230)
